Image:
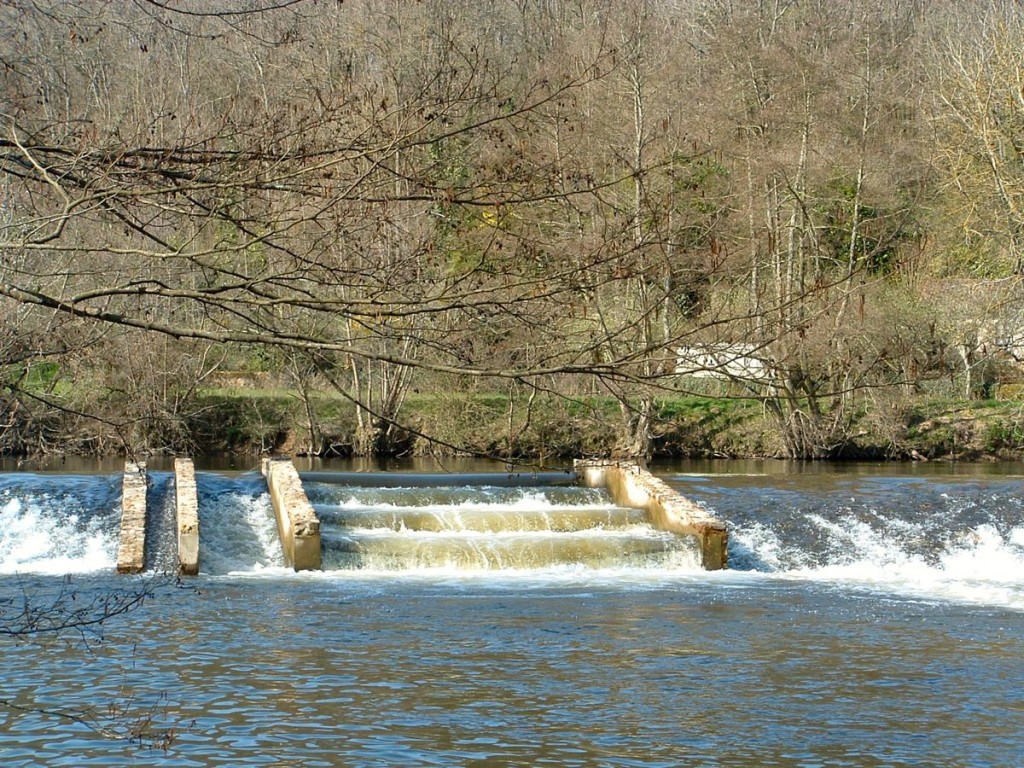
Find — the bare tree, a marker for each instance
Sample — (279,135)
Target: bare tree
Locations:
(979,113)
(71,614)
(523,197)
(826,215)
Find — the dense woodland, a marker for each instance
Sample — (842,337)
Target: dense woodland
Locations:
(559,207)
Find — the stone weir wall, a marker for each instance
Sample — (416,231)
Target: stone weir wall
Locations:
(131,554)
(187,517)
(631,485)
(297,522)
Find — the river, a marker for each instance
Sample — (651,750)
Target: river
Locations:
(871,616)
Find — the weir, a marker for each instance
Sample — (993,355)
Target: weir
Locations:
(297,523)
(397,521)
(187,506)
(631,485)
(132,542)
(434,479)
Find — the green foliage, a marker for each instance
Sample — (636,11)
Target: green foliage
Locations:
(879,230)
(698,178)
(1004,436)
(450,161)
(263,360)
(35,376)
(1014,391)
(261,420)
(462,262)
(700,185)
(974,258)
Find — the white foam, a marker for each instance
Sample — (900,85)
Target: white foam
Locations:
(984,555)
(757,547)
(675,567)
(238,533)
(977,566)
(36,537)
(596,534)
(1017,537)
(530,502)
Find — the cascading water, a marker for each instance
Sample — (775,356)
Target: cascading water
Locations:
(58,523)
(487,528)
(238,533)
(932,538)
(865,620)
(960,541)
(52,523)
(161,540)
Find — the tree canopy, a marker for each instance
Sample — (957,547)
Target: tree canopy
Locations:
(558,196)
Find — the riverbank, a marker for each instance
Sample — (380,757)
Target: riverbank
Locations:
(252,421)
(269,421)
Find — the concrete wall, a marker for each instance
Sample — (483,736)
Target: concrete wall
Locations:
(630,485)
(297,522)
(132,542)
(728,361)
(187,505)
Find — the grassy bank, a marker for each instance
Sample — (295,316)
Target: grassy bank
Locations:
(269,420)
(252,420)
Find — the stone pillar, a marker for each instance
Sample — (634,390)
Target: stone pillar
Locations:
(630,485)
(297,522)
(187,505)
(132,544)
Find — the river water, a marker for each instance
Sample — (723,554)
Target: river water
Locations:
(871,616)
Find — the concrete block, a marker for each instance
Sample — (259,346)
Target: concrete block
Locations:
(631,485)
(187,506)
(132,542)
(297,522)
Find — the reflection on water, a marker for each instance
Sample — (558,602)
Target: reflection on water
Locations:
(869,620)
(229,463)
(386,672)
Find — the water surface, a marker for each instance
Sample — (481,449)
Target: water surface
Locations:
(869,619)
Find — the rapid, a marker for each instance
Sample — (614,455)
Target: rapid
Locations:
(870,616)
